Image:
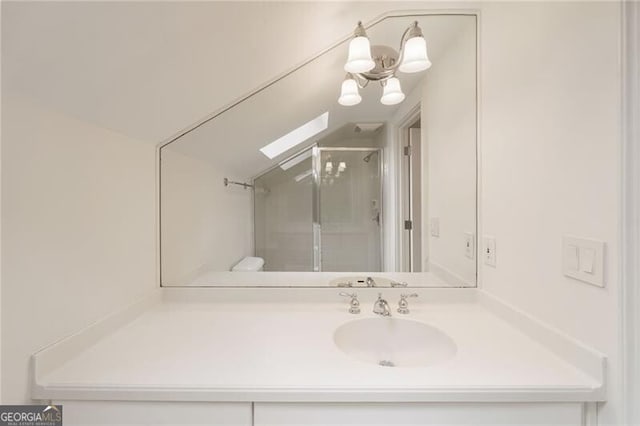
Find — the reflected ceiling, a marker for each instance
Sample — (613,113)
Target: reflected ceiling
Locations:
(231,141)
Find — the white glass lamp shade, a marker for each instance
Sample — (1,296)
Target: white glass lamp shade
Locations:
(414,58)
(359,59)
(349,94)
(392,93)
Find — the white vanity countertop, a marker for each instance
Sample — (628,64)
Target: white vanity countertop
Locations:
(200,345)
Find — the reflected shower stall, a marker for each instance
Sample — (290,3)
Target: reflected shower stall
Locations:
(321,210)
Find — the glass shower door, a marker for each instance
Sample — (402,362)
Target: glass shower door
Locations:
(283,217)
(347,209)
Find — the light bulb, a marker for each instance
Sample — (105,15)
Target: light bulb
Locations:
(359,59)
(414,56)
(349,94)
(392,93)
(328,167)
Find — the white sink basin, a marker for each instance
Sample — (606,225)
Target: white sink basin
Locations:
(394,342)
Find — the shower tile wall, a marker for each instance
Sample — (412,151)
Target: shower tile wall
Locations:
(349,204)
(350,209)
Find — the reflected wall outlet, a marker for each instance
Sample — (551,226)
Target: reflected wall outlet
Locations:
(469,245)
(489,251)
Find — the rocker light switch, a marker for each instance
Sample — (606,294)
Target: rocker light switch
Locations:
(587,258)
(435,227)
(572,257)
(583,259)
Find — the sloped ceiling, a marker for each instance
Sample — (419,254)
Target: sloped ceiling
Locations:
(150,69)
(231,140)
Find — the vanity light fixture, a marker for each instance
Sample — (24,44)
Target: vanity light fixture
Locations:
(368,63)
(296,136)
(328,167)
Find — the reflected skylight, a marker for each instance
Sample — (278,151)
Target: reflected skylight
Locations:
(296,136)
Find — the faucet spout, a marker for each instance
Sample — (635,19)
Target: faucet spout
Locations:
(381,307)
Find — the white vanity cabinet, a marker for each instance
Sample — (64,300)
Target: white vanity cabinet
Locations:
(152,413)
(419,414)
(148,413)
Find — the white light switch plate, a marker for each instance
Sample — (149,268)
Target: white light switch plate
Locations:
(469,245)
(489,251)
(435,227)
(583,259)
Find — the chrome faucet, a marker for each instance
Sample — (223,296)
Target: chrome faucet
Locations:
(381,307)
(354,305)
(370,282)
(403,305)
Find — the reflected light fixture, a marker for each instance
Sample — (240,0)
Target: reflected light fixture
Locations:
(366,63)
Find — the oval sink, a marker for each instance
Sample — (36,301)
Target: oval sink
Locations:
(394,342)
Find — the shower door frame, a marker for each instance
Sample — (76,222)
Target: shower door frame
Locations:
(316,167)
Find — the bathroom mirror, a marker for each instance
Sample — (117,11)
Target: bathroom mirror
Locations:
(386,192)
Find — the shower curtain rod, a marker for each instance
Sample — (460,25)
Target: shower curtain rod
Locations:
(228,182)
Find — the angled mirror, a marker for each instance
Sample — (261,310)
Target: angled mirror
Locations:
(328,178)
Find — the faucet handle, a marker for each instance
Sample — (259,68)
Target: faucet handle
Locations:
(354,304)
(403,305)
(399,284)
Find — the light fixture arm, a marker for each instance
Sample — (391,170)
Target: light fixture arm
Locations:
(412,30)
(359,79)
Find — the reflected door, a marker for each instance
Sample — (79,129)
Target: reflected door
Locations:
(347,209)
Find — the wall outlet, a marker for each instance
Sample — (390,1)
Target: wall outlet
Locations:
(489,251)
(435,227)
(469,245)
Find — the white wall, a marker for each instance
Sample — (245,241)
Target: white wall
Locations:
(631,214)
(448,121)
(205,225)
(1,400)
(550,134)
(78,226)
